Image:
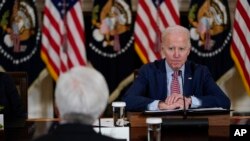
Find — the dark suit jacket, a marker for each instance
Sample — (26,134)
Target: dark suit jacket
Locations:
(151,84)
(74,132)
(10,99)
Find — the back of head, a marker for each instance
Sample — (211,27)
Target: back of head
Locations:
(81,94)
(176,29)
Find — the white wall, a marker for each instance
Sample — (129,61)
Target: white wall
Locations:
(232,84)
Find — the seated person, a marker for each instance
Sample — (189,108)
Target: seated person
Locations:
(81,96)
(10,100)
(163,83)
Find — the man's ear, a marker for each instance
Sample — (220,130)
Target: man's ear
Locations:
(189,50)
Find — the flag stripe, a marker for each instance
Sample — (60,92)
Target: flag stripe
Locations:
(141,51)
(166,11)
(52,39)
(78,23)
(163,13)
(242,52)
(53,52)
(150,23)
(242,14)
(77,36)
(63,40)
(72,46)
(51,20)
(151,20)
(49,60)
(147,34)
(240,49)
(145,31)
(241,62)
(150,12)
(242,9)
(172,6)
(143,41)
(242,37)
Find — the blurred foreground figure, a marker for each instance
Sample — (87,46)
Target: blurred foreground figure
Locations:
(81,97)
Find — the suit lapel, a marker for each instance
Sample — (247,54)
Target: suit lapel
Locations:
(163,78)
(188,80)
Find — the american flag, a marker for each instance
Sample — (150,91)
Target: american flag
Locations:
(153,16)
(63,39)
(240,49)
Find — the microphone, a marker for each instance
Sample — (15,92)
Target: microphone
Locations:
(184,101)
(186,124)
(99,124)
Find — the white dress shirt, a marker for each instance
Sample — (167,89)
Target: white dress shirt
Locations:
(195,101)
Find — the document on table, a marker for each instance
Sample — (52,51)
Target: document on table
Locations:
(214,109)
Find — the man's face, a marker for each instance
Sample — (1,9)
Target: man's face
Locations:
(176,50)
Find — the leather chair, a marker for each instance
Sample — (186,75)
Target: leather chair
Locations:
(135,73)
(21,81)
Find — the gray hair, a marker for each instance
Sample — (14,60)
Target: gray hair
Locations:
(176,29)
(81,95)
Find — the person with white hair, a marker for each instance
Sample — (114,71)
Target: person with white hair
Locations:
(81,96)
(173,82)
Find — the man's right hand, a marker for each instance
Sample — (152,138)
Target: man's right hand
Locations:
(173,98)
(164,106)
(174,102)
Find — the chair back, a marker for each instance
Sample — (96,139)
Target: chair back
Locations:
(21,82)
(135,73)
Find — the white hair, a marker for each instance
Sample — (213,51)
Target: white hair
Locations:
(174,30)
(81,91)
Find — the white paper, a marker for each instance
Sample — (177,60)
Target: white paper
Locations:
(106,122)
(115,132)
(108,129)
(188,110)
(208,109)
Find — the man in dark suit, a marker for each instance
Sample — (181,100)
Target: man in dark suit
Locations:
(10,100)
(81,96)
(156,87)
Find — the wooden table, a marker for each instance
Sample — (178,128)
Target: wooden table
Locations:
(218,126)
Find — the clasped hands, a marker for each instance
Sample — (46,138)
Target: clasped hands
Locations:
(175,101)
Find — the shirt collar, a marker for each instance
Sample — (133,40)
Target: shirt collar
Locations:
(171,71)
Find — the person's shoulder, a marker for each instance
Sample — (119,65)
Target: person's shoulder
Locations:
(195,66)
(4,76)
(43,138)
(2,73)
(156,64)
